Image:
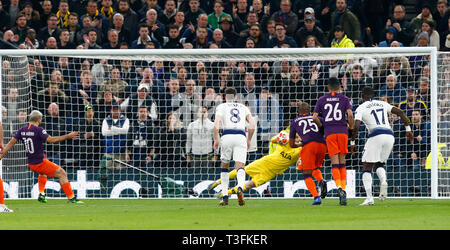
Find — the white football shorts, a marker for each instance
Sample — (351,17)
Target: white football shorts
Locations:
(378,148)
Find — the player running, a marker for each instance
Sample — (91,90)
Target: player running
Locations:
(332,107)
(378,147)
(267,167)
(231,117)
(34,137)
(313,151)
(3,207)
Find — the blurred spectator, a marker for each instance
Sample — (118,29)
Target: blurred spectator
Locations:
(91,39)
(143,38)
(130,106)
(226,25)
(309,28)
(439,12)
(187,104)
(168,14)
(4,19)
(199,141)
(55,125)
(115,84)
(412,103)
(147,5)
(425,14)
(64,40)
(392,89)
(428,27)
(210,101)
(20,29)
(192,14)
(13,9)
(99,21)
(49,95)
(113,40)
(173,40)
(190,34)
(346,21)
(140,143)
(262,12)
(424,90)
(281,38)
(340,39)
(417,152)
(86,94)
(89,148)
(47,10)
(107,9)
(354,81)
(270,118)
(63,14)
(51,30)
(201,40)
(179,22)
(170,143)
(398,66)
(130,18)
(104,104)
(74,28)
(287,17)
(12,104)
(240,10)
(217,15)
(405,31)
(155,27)
(30,40)
(243,26)
(390,36)
(118,25)
(219,39)
(256,34)
(32,16)
(115,132)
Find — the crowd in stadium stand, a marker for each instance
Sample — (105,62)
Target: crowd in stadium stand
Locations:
(90,89)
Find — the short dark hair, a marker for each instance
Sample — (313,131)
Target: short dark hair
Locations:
(334,83)
(368,92)
(230,91)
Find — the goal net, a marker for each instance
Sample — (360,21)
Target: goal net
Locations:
(145,117)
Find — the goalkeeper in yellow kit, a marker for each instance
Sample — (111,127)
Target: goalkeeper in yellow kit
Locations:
(280,158)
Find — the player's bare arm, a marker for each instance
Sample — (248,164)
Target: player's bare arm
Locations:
(251,129)
(8,147)
(350,118)
(217,121)
(2,145)
(405,120)
(316,120)
(354,135)
(56,139)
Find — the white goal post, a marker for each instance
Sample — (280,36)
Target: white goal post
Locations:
(127,183)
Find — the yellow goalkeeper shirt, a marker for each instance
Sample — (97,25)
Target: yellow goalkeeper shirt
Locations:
(281,159)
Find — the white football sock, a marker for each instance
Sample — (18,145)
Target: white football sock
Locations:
(367,181)
(240,178)
(381,172)
(225,179)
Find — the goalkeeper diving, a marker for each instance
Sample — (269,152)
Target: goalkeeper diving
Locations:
(267,167)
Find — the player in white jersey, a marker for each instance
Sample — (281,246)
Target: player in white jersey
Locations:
(378,147)
(231,117)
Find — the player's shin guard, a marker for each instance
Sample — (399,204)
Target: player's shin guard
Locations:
(224,177)
(343,174)
(367,181)
(2,195)
(311,185)
(336,175)
(240,178)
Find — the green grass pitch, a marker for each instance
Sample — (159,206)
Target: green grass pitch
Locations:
(205,214)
